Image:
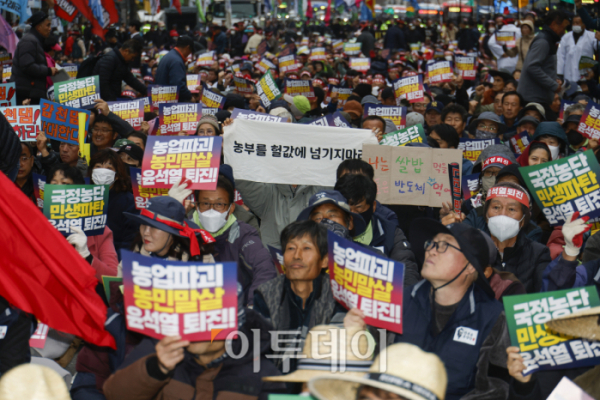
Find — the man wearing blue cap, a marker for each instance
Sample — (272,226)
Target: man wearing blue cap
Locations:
(433,114)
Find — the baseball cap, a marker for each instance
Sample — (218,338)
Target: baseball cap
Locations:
(336,198)
(435,105)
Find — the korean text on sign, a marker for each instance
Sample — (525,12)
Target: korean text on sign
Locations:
(299,87)
(8,96)
(168,298)
(167,159)
(25,120)
(564,186)
(467,67)
(414,134)
(81,206)
(409,88)
(130,111)
(141,194)
(526,318)
(78,93)
(361,64)
(211,99)
(395,114)
(364,280)
(174,118)
(256,116)
(472,148)
(267,89)
(163,94)
(342,93)
(288,64)
(440,71)
(589,125)
(62,123)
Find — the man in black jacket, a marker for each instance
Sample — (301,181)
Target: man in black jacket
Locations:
(394,39)
(113,68)
(30,68)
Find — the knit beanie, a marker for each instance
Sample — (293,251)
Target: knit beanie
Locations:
(302,104)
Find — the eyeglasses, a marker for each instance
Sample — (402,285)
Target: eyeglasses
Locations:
(440,247)
(103,130)
(24,159)
(491,128)
(487,173)
(220,207)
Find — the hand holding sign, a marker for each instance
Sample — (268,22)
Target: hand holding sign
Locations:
(170,352)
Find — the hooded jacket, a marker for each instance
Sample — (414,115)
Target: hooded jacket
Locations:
(30,67)
(523,44)
(553,129)
(276,205)
(140,378)
(523,159)
(113,70)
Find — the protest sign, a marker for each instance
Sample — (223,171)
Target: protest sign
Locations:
(473,147)
(277,257)
(71,70)
(192,82)
(507,39)
(81,206)
(78,93)
(440,72)
(589,125)
(409,88)
(566,389)
(360,64)
(412,175)
(454,172)
(264,152)
(563,106)
(6,72)
(195,301)
(414,134)
(267,89)
(335,119)
(62,123)
(519,142)
(541,348)
(25,120)
(288,64)
(395,114)
(564,186)
(106,281)
(362,279)
(207,59)
(317,54)
(147,104)
(163,94)
(141,194)
(167,159)
(337,45)
(130,111)
(38,339)
(352,49)
(264,65)
(467,67)
(209,111)
(174,118)
(470,186)
(8,96)
(303,42)
(341,92)
(212,99)
(39,182)
(243,86)
(299,87)
(586,63)
(256,116)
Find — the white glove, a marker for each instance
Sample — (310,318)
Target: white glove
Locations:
(573,233)
(179,190)
(79,241)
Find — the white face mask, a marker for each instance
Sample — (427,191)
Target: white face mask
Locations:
(103,176)
(212,220)
(554,151)
(448,58)
(577,29)
(492,30)
(503,227)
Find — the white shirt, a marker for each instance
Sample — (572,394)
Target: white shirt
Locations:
(569,53)
(505,63)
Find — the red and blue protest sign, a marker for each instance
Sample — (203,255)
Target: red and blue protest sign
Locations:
(336,120)
(175,298)
(63,123)
(395,114)
(519,142)
(365,280)
(238,113)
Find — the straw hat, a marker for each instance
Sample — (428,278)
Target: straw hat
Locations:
(583,324)
(411,373)
(327,347)
(33,382)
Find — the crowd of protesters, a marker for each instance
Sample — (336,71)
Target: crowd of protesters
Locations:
(458,266)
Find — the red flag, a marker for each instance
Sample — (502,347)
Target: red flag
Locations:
(328,13)
(64,9)
(177,5)
(42,274)
(309,10)
(86,11)
(111,9)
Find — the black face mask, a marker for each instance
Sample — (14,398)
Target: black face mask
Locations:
(336,228)
(367,215)
(574,137)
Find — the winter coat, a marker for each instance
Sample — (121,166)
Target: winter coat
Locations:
(523,44)
(112,70)
(467,361)
(367,41)
(14,343)
(173,72)
(140,378)
(102,249)
(394,39)
(569,53)
(276,205)
(10,151)
(506,63)
(538,76)
(30,68)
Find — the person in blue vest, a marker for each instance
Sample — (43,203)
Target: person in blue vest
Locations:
(452,312)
